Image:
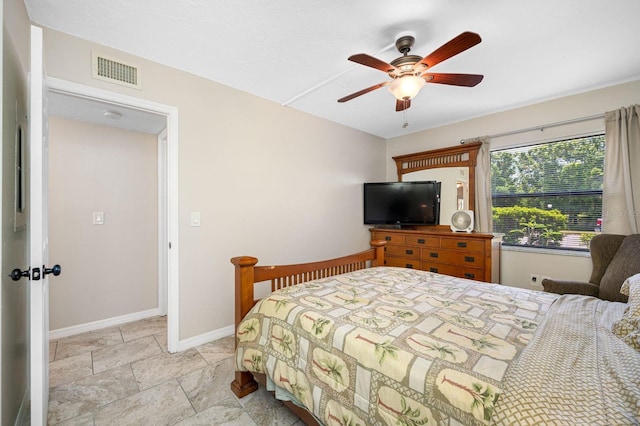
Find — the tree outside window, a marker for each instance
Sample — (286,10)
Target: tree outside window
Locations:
(549,195)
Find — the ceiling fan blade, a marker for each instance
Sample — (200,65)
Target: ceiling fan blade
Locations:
(457,45)
(468,80)
(403,104)
(364,91)
(370,61)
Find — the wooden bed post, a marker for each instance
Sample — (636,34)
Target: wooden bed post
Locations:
(379,246)
(244,383)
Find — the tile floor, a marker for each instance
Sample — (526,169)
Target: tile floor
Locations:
(125,376)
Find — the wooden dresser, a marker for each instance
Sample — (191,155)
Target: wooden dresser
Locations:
(466,255)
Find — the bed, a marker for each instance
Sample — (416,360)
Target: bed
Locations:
(348,341)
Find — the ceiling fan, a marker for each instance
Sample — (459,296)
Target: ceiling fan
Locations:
(409,72)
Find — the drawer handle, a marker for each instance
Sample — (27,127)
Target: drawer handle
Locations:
(469,259)
(409,251)
(433,270)
(433,254)
(408,265)
(469,275)
(462,244)
(420,241)
(387,238)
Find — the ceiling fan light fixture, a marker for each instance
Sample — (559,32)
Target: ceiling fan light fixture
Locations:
(406,87)
(407,71)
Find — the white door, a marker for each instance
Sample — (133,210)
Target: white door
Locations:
(38,236)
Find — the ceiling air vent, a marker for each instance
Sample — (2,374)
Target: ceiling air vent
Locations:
(115,71)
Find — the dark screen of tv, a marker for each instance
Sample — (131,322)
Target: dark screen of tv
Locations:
(402,203)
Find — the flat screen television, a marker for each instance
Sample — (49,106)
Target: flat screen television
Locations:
(402,203)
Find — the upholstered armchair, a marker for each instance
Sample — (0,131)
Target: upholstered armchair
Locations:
(615,258)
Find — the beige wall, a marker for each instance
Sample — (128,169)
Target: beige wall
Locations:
(13,296)
(267,180)
(111,269)
(516,267)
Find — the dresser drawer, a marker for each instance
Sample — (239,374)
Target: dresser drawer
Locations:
(402,263)
(389,237)
(454,271)
(423,241)
(472,274)
(462,244)
(407,252)
(461,258)
(441,268)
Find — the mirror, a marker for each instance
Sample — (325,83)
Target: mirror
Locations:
(454,192)
(454,166)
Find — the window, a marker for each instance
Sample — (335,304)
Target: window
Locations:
(549,195)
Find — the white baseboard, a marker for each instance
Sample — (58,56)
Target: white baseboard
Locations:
(189,343)
(22,419)
(192,342)
(97,325)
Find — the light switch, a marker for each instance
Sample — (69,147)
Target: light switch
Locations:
(195,218)
(98,218)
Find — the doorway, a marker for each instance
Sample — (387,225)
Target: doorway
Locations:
(82,102)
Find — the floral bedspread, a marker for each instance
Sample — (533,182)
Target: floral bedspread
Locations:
(391,345)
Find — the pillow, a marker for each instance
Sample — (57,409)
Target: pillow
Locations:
(628,327)
(625,285)
(633,339)
(625,326)
(624,264)
(634,300)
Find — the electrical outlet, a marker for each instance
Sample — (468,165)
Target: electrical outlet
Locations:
(536,281)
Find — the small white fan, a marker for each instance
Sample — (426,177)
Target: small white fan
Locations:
(462,221)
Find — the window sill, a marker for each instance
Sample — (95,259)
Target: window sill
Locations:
(556,252)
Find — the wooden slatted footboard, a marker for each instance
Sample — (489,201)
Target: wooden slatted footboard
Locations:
(247,274)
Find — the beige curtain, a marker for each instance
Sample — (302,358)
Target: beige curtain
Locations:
(482,209)
(621,186)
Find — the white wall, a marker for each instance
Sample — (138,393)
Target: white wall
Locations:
(269,181)
(516,267)
(110,269)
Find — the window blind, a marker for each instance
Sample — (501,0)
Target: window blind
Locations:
(549,195)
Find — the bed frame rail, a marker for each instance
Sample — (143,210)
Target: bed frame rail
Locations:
(247,274)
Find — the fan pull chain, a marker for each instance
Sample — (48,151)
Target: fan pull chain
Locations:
(405,115)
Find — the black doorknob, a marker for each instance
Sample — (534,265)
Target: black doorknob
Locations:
(16,274)
(55,270)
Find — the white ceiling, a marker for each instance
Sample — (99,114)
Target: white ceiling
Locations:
(103,113)
(295,52)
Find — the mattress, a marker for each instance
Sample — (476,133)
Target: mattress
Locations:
(400,346)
